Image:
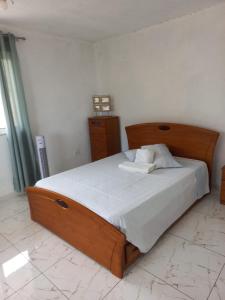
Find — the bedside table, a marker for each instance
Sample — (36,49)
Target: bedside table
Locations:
(222,194)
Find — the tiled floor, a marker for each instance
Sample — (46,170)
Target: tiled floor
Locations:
(187,263)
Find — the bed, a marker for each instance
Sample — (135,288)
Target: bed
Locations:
(114,216)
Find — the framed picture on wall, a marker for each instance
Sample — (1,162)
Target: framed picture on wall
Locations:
(102,104)
(106,108)
(96,99)
(97,108)
(106,99)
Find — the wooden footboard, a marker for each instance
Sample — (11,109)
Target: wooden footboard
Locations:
(83,229)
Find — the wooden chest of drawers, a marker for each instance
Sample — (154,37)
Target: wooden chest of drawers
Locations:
(104,136)
(222,194)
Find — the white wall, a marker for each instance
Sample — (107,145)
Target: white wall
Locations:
(171,72)
(6,186)
(59,80)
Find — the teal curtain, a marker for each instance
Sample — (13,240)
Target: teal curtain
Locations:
(22,151)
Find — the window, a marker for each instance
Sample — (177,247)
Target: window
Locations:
(2,118)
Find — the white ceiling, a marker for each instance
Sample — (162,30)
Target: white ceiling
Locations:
(93,20)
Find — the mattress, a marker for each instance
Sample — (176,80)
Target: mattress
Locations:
(142,206)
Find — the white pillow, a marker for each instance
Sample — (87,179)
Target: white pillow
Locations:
(144,156)
(131,154)
(163,157)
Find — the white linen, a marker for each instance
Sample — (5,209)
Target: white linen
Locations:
(142,206)
(144,156)
(131,154)
(140,167)
(163,157)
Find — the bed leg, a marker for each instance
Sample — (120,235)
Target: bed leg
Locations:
(118,260)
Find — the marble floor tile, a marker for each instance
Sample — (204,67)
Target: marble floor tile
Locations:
(210,206)
(4,244)
(34,241)
(38,289)
(12,197)
(15,272)
(18,227)
(44,249)
(141,285)
(190,268)
(11,206)
(218,292)
(206,231)
(79,277)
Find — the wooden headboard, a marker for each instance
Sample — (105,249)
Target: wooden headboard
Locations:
(182,140)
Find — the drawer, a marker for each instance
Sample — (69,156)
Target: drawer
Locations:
(99,155)
(96,123)
(98,147)
(98,140)
(97,132)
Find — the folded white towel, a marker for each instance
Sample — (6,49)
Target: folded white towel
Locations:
(144,168)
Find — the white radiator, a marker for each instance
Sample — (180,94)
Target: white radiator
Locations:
(42,156)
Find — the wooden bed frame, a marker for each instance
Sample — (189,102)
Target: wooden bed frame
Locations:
(90,233)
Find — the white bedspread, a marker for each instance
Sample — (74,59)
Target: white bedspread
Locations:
(142,206)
